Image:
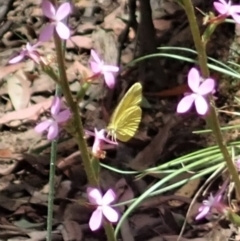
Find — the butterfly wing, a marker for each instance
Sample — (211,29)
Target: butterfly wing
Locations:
(133,97)
(127,116)
(128,124)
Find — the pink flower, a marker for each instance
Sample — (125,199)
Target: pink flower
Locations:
(98,67)
(103,207)
(198,96)
(56,17)
(208,204)
(52,124)
(98,142)
(29,51)
(212,202)
(226,9)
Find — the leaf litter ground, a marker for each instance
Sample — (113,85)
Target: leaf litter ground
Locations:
(26,96)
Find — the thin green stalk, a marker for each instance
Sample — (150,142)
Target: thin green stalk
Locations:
(88,167)
(75,111)
(109,231)
(212,119)
(79,131)
(52,179)
(51,189)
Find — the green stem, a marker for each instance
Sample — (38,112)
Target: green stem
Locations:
(79,135)
(109,231)
(75,111)
(212,119)
(51,189)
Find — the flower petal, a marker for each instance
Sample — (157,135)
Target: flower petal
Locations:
(48,9)
(46,33)
(56,105)
(221,8)
(95,56)
(110,68)
(193,79)
(17,59)
(206,87)
(217,200)
(96,219)
(201,105)
(41,127)
(63,116)
(95,67)
(34,56)
(235,9)
(236,17)
(62,30)
(109,79)
(111,214)
(94,195)
(63,11)
(185,103)
(204,210)
(108,197)
(52,131)
(29,47)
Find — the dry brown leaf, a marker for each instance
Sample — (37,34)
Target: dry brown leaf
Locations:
(150,154)
(118,26)
(8,231)
(140,221)
(161,26)
(109,19)
(79,41)
(123,191)
(37,236)
(187,190)
(78,68)
(12,204)
(6,153)
(126,232)
(159,200)
(71,230)
(5,70)
(6,167)
(31,112)
(43,83)
(19,90)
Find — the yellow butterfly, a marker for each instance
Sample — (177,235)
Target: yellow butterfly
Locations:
(126,117)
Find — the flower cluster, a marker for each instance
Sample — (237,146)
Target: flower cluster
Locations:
(56,23)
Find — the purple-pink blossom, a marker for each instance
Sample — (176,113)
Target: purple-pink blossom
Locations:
(99,139)
(28,51)
(208,204)
(103,207)
(213,202)
(56,17)
(227,9)
(51,125)
(200,89)
(98,67)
